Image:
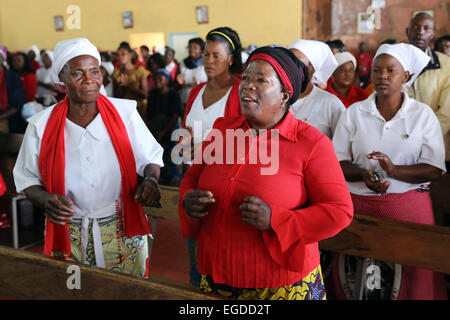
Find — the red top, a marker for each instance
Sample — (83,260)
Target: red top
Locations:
(308,197)
(35,66)
(354,95)
(3,91)
(364,62)
(29,81)
(233,107)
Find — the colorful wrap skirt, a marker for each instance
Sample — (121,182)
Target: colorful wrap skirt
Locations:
(311,287)
(123,254)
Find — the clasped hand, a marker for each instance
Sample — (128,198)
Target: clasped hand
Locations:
(254,211)
(382,185)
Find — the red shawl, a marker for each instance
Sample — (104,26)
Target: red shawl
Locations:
(132,220)
(232,109)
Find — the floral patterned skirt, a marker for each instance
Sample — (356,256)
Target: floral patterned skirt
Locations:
(310,287)
(123,254)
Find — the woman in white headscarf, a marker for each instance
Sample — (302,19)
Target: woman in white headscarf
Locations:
(341,83)
(46,94)
(79,161)
(390,147)
(315,106)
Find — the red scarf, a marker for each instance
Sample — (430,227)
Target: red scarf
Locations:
(132,220)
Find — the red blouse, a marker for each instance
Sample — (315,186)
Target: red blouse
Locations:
(354,95)
(29,81)
(308,197)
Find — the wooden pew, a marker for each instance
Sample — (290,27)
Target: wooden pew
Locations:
(27,275)
(423,246)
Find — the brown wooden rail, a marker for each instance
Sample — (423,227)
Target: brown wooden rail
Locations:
(412,244)
(28,275)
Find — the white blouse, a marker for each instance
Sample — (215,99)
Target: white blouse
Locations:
(201,120)
(411,137)
(92,171)
(192,77)
(319,109)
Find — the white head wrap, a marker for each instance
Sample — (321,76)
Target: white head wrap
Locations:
(344,57)
(50,54)
(410,57)
(109,67)
(66,50)
(320,56)
(36,51)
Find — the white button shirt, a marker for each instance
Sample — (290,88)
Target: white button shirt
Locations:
(92,172)
(411,137)
(319,109)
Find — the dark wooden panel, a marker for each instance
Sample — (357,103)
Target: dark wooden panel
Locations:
(412,244)
(26,275)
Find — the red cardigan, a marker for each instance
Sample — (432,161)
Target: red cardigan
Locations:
(233,107)
(308,197)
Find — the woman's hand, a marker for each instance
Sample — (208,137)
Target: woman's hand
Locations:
(256,212)
(384,161)
(196,203)
(148,193)
(58,209)
(380,186)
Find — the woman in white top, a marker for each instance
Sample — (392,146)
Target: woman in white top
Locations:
(219,96)
(79,160)
(46,78)
(192,72)
(390,147)
(316,106)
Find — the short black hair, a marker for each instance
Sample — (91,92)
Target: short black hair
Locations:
(26,63)
(158,59)
(237,65)
(144,47)
(388,41)
(337,44)
(105,55)
(198,41)
(125,45)
(445,37)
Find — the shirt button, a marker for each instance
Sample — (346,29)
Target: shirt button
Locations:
(218,226)
(231,178)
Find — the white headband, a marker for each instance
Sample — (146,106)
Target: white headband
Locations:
(66,50)
(410,57)
(320,56)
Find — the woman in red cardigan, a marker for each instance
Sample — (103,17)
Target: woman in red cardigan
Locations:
(258,229)
(218,97)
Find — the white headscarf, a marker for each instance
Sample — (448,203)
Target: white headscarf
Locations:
(50,54)
(410,57)
(36,51)
(320,56)
(344,57)
(66,50)
(109,67)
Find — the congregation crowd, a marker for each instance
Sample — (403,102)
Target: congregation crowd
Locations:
(363,133)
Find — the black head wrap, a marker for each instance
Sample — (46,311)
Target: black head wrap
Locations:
(296,71)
